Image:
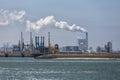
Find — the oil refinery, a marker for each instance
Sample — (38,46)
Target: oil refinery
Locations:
(36,47)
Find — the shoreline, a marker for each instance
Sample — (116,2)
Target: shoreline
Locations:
(81,56)
(87,58)
(73,56)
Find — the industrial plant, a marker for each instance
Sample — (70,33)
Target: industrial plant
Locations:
(106,48)
(36,47)
(82,46)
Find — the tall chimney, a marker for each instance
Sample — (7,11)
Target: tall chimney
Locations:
(31,40)
(49,40)
(22,42)
(19,45)
(43,41)
(87,40)
(36,41)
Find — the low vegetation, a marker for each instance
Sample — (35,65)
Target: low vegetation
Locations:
(98,55)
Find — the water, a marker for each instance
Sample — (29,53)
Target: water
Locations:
(43,69)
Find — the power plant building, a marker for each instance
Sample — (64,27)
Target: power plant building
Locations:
(70,49)
(107,48)
(83,44)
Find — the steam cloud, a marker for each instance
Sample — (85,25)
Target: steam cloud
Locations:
(50,20)
(40,23)
(7,17)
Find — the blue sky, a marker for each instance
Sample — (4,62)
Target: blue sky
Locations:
(101,18)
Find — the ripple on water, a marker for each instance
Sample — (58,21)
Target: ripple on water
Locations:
(32,69)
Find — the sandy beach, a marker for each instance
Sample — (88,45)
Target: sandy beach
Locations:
(88,58)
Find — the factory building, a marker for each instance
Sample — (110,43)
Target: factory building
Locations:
(107,48)
(83,44)
(21,47)
(39,45)
(70,49)
(100,49)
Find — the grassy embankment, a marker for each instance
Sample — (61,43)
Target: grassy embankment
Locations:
(98,55)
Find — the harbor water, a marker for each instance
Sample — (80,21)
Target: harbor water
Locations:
(53,69)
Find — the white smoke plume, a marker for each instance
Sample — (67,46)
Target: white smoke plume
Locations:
(40,23)
(50,20)
(7,17)
(64,25)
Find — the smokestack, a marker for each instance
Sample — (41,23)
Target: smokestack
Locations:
(43,41)
(38,41)
(49,40)
(21,37)
(31,40)
(19,45)
(87,40)
(22,42)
